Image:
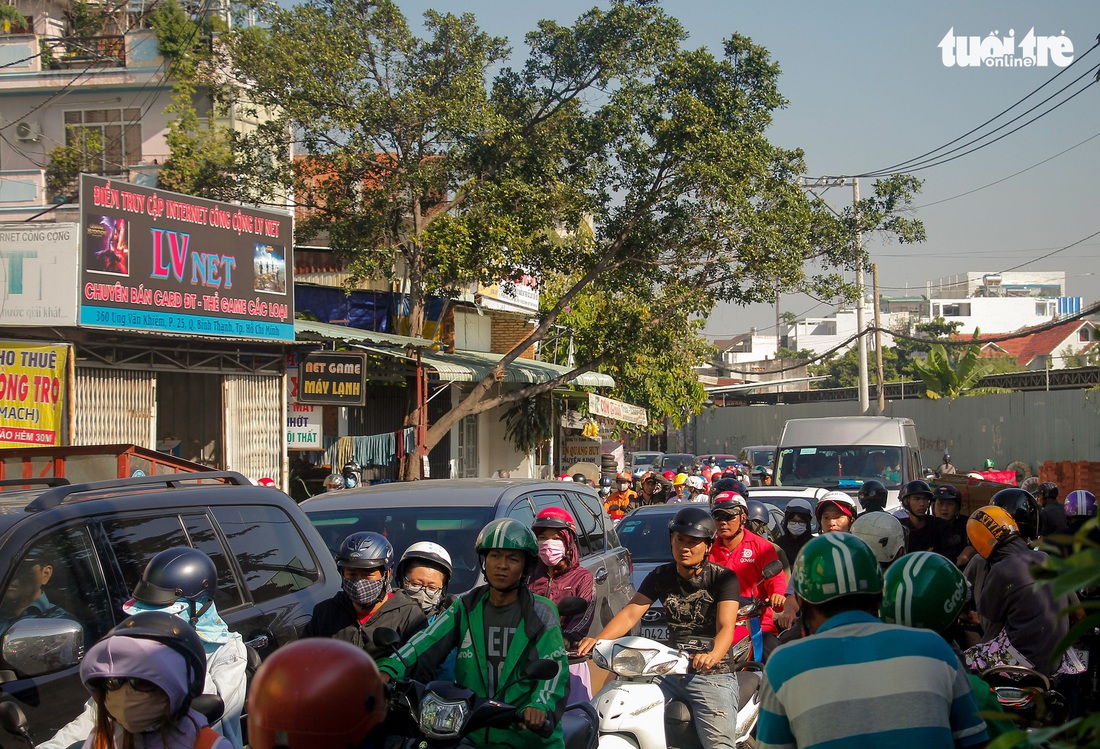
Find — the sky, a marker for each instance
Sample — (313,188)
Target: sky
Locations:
(868,88)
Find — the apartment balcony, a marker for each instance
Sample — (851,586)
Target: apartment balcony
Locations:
(36,60)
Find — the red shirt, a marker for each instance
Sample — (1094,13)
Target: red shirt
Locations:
(748,560)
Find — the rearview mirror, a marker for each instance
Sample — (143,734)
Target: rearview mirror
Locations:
(38,646)
(386,639)
(543,669)
(772,569)
(572,605)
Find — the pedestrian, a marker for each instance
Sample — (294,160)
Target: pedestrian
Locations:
(946,466)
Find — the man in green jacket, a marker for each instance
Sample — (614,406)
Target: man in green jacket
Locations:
(498,629)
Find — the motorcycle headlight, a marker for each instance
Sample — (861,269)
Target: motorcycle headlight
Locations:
(442,719)
(630,661)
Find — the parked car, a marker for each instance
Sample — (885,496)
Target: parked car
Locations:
(639,463)
(97,538)
(451,512)
(673,461)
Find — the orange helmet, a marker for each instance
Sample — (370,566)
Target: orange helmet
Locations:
(988,527)
(624,477)
(315,694)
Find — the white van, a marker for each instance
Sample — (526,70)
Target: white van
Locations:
(841,452)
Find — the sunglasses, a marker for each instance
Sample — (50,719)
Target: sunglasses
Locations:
(112,684)
(723,515)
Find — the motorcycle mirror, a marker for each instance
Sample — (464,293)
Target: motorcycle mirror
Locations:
(209,705)
(572,605)
(543,669)
(13,720)
(772,569)
(387,639)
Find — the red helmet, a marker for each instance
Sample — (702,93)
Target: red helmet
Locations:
(669,475)
(315,693)
(554,517)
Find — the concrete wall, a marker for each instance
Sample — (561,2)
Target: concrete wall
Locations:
(1029,426)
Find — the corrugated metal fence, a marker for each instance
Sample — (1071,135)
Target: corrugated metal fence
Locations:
(115,407)
(1029,426)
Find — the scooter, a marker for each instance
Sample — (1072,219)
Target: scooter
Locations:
(749,613)
(1028,696)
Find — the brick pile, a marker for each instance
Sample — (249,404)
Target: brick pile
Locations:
(1083,474)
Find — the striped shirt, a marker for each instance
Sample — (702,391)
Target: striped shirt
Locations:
(860,683)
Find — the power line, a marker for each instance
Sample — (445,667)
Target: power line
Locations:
(1055,252)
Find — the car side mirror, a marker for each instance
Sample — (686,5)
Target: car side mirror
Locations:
(543,669)
(771,569)
(40,646)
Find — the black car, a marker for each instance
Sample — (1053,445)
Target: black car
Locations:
(95,539)
(452,512)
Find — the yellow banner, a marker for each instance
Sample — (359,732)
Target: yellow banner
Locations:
(32,393)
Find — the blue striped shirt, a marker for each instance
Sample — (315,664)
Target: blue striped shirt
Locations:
(858,683)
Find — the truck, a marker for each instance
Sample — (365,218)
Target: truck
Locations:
(842,452)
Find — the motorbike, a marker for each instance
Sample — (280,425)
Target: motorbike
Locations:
(1027,695)
(749,612)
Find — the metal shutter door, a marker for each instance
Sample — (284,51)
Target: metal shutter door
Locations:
(255,423)
(115,406)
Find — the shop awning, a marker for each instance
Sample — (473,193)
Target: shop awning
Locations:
(309,330)
(473,366)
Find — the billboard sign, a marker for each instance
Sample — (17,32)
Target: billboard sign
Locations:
(304,422)
(336,378)
(161,262)
(38,273)
(32,393)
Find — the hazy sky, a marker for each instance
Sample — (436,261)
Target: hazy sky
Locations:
(868,89)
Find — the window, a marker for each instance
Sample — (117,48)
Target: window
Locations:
(135,542)
(1083,335)
(118,131)
(589,515)
(957,310)
(58,578)
(273,556)
(203,538)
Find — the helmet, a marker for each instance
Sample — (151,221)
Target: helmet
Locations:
(872,496)
(947,492)
(113,657)
(730,485)
(426,552)
(759,518)
(506,533)
(315,693)
(1023,508)
(565,477)
(838,499)
(730,473)
(1081,503)
(924,589)
(555,517)
(917,488)
(798,506)
(696,483)
(333,482)
(624,477)
(1047,490)
(680,480)
(177,573)
(884,533)
(728,501)
(946,457)
(989,527)
(365,550)
(989,465)
(580,478)
(695,522)
(669,475)
(352,473)
(835,565)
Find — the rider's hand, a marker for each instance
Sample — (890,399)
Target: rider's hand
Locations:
(584,647)
(777,600)
(784,619)
(385,677)
(704,661)
(533,718)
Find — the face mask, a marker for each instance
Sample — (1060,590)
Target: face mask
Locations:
(551,552)
(797,529)
(623,487)
(428,599)
(365,592)
(136,711)
(605,490)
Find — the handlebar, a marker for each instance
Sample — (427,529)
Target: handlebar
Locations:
(544,731)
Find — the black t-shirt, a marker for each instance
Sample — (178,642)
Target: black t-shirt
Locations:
(1052,518)
(501,623)
(932,537)
(691,606)
(955,539)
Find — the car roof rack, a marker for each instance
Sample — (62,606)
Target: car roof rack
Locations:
(53,497)
(47,480)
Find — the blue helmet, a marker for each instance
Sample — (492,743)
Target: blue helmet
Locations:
(365,550)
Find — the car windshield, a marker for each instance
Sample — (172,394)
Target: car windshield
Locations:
(845,467)
(720,461)
(454,528)
(643,459)
(646,536)
(672,461)
(760,457)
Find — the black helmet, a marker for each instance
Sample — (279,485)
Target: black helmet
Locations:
(179,573)
(1023,508)
(729,485)
(948,492)
(365,550)
(759,518)
(695,522)
(1047,491)
(606,481)
(917,488)
(169,629)
(352,473)
(580,478)
(872,496)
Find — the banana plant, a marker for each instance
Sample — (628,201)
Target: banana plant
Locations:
(946,379)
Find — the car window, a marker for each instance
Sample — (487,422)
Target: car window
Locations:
(134,542)
(272,554)
(228,593)
(647,537)
(542,500)
(455,528)
(523,511)
(589,514)
(60,577)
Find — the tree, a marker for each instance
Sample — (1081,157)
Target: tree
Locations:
(82,152)
(423,170)
(946,379)
(843,372)
(937,329)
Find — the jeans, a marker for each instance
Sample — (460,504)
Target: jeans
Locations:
(713,701)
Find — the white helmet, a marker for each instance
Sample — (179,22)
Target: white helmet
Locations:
(884,533)
(426,551)
(695,482)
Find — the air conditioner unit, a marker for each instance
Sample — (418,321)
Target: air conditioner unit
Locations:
(27,130)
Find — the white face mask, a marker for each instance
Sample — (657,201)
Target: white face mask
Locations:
(796,528)
(623,487)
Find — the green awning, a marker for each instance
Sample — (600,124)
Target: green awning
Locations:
(308,330)
(473,366)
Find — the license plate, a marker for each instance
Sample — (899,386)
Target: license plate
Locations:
(655,633)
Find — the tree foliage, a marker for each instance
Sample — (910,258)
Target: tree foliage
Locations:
(435,162)
(944,378)
(82,152)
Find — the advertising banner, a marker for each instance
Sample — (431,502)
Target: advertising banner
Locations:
(303,422)
(333,378)
(32,393)
(162,262)
(613,409)
(38,273)
(576,449)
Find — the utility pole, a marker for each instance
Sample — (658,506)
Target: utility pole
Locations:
(878,344)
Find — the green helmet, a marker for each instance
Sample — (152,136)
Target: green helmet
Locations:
(506,533)
(924,589)
(834,565)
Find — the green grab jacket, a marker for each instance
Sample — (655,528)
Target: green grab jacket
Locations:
(462,626)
